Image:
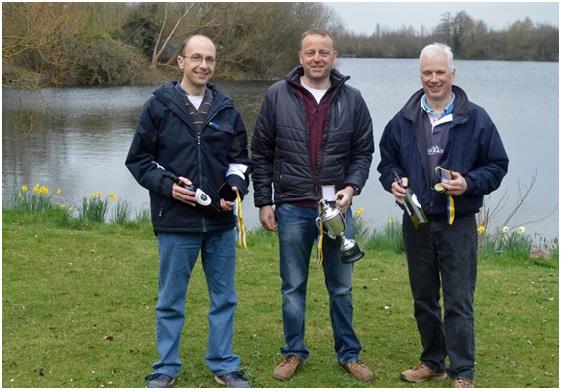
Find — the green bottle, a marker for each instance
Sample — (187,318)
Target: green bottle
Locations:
(411,205)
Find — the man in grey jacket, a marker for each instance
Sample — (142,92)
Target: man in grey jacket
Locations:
(313,139)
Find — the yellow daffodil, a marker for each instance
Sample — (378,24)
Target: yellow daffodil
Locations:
(505,229)
(71,209)
(92,195)
(36,188)
(481,229)
(521,230)
(99,194)
(24,188)
(112,197)
(358,213)
(59,191)
(43,190)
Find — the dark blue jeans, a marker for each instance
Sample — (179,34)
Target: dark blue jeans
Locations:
(444,256)
(297,233)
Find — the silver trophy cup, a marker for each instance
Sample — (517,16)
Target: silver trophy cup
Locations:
(334,224)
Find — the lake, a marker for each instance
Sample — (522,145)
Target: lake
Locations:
(77,139)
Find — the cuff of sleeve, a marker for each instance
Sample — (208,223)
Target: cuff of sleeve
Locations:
(166,186)
(470,185)
(235,180)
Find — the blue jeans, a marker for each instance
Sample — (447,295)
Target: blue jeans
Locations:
(178,254)
(297,234)
(444,256)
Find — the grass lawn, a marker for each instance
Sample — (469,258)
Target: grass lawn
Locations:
(78,311)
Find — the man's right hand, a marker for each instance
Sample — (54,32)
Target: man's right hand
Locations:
(268,218)
(182,194)
(398,190)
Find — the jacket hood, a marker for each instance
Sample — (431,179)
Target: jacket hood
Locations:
(336,78)
(412,107)
(168,93)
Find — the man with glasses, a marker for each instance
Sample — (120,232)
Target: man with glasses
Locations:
(190,141)
(313,139)
(449,152)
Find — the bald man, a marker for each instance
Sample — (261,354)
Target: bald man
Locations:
(190,151)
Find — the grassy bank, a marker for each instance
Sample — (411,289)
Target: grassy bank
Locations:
(78,311)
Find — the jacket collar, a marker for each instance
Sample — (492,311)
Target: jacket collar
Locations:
(461,107)
(168,95)
(337,79)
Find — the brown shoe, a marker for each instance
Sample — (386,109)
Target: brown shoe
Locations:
(463,383)
(287,368)
(358,370)
(422,373)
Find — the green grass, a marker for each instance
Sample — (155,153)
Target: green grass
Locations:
(78,311)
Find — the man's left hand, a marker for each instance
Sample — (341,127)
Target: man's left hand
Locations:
(457,185)
(344,203)
(227,206)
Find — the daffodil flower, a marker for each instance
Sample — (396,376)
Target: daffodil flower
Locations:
(358,213)
(481,229)
(112,197)
(505,229)
(24,188)
(59,191)
(521,230)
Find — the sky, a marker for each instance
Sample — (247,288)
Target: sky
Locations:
(363,17)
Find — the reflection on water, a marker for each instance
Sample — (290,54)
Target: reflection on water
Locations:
(77,138)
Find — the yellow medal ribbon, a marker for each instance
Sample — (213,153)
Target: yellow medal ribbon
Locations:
(451,210)
(241,230)
(320,247)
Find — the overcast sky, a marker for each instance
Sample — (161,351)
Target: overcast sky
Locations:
(363,17)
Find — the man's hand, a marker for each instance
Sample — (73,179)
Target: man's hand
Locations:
(344,198)
(268,218)
(399,191)
(182,194)
(227,206)
(457,185)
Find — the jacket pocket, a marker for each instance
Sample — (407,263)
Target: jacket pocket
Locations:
(223,127)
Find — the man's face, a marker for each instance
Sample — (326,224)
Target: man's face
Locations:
(436,77)
(317,57)
(197,61)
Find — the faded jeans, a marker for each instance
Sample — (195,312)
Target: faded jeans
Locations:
(178,254)
(444,256)
(297,233)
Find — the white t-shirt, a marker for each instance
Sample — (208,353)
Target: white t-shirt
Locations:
(196,100)
(318,94)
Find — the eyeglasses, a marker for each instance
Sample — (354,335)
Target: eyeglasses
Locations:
(197,59)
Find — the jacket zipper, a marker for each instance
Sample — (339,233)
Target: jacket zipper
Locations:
(199,162)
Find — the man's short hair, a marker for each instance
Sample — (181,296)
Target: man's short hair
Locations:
(438,48)
(317,31)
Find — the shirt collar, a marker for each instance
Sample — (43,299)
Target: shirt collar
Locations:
(448,110)
(183,92)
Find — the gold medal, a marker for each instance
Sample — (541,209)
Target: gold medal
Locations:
(439,187)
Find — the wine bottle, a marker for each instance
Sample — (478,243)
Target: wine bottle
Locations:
(411,205)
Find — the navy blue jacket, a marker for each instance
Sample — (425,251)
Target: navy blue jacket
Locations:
(281,139)
(166,144)
(474,149)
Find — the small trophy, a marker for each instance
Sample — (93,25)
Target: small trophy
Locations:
(334,224)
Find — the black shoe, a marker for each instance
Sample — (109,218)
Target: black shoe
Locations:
(159,380)
(232,380)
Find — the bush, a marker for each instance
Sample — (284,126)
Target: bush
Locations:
(104,61)
(390,237)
